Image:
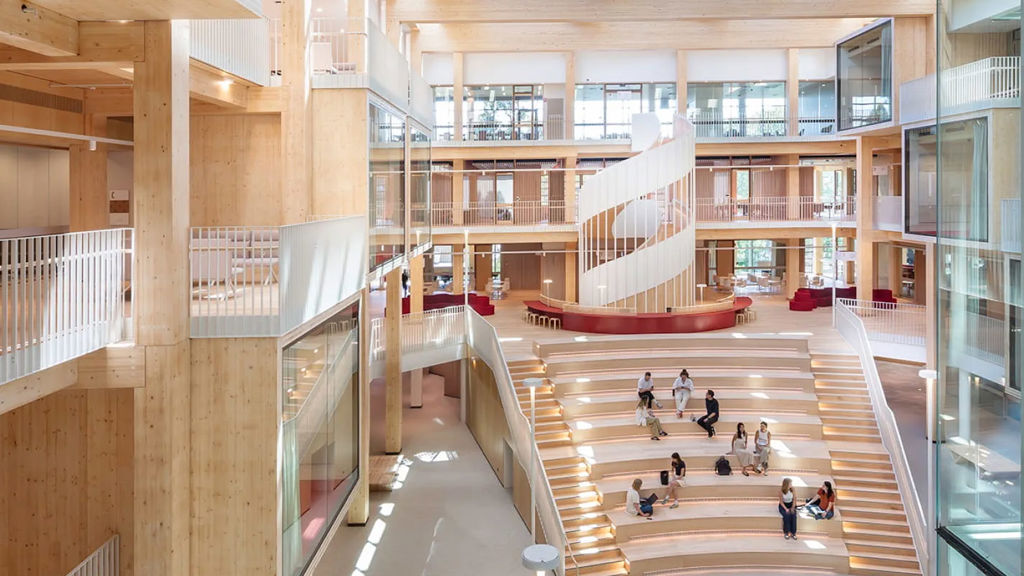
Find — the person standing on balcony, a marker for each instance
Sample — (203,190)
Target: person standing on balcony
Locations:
(681,390)
(707,421)
(645,389)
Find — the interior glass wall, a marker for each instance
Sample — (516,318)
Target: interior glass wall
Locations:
(864,65)
(386,185)
(514,112)
(444,113)
(419,185)
(978,455)
(319,447)
(817,114)
(965,177)
(737,109)
(605,111)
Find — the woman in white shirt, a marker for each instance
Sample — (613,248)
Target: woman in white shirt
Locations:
(787,507)
(681,390)
(762,448)
(636,506)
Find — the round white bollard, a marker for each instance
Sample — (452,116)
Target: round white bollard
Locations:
(540,557)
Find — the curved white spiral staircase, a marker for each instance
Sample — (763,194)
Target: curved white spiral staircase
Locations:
(637,229)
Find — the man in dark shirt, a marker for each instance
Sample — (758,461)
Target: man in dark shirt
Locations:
(707,421)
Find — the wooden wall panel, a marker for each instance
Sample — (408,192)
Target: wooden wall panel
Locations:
(235,164)
(807,182)
(233,458)
(485,415)
(66,481)
(522,270)
(767,183)
(340,152)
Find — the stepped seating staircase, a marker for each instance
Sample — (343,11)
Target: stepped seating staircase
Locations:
(824,429)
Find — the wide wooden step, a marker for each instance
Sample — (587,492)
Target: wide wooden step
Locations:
(872,547)
(890,563)
(861,533)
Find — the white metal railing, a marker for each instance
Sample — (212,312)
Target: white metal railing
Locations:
(887,322)
(105,561)
(1010,228)
(988,338)
(253,281)
(62,296)
(816,125)
(853,331)
(483,340)
(714,124)
(995,78)
(499,131)
(275,51)
(422,331)
(517,213)
(238,46)
(329,44)
(775,208)
(888,213)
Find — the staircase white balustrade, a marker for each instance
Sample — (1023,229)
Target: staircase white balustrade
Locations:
(105,561)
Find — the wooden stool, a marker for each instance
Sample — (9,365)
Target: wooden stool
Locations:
(556,323)
(532,318)
(544,320)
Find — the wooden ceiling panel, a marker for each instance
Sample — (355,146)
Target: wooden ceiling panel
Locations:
(427,11)
(77,77)
(153,9)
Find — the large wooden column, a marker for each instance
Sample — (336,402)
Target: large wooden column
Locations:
(569,106)
(458,278)
(458,89)
(792,162)
(416,306)
(570,189)
(896,270)
(794,254)
(162,412)
(297,110)
(792,92)
(458,177)
(393,364)
(359,509)
(90,206)
(865,207)
(570,271)
(926,282)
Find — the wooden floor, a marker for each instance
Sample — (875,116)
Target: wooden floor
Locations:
(822,427)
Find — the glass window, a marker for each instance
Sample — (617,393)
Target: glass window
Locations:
(386,186)
(737,109)
(504,112)
(319,434)
(444,113)
(817,102)
(964,207)
(606,110)
(742,185)
(419,185)
(865,78)
(588,113)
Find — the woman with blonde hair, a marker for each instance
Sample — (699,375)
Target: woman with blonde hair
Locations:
(637,506)
(787,508)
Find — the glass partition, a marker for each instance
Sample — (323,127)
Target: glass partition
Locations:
(386,185)
(978,455)
(444,113)
(864,70)
(514,112)
(817,101)
(737,109)
(419,185)
(605,111)
(965,195)
(319,446)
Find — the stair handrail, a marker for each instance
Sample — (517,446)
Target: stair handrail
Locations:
(483,338)
(852,329)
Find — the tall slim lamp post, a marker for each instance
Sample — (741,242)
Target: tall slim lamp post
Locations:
(533,384)
(465,269)
(931,428)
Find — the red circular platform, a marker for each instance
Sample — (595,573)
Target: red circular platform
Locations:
(658,323)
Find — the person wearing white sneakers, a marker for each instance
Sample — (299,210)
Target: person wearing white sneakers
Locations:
(681,390)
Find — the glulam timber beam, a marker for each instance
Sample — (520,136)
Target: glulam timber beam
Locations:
(99,45)
(433,11)
(212,88)
(662,34)
(37,29)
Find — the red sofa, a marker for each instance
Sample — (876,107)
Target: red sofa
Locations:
(802,301)
(807,299)
(482,304)
(880,295)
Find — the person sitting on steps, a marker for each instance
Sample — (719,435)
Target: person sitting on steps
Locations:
(823,505)
(654,425)
(740,449)
(787,508)
(762,448)
(707,421)
(676,480)
(637,506)
(681,390)
(645,389)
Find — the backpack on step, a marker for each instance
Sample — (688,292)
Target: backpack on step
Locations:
(722,466)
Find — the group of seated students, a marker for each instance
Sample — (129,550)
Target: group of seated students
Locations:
(752,458)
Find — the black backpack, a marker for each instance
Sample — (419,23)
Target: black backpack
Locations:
(722,466)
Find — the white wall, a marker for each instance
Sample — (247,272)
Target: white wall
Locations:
(437,69)
(736,65)
(514,68)
(965,13)
(817,63)
(626,66)
(34,187)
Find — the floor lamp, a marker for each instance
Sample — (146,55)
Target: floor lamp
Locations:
(540,558)
(835,271)
(533,384)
